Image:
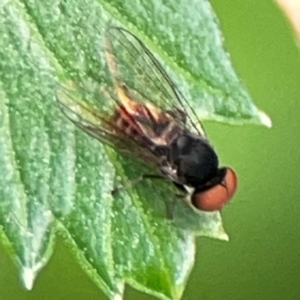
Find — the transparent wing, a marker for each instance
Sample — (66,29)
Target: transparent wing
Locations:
(132,64)
(98,122)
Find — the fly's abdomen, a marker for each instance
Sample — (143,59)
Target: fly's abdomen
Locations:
(125,125)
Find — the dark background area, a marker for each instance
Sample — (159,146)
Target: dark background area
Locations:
(262,258)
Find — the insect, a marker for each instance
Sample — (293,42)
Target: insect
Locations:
(144,114)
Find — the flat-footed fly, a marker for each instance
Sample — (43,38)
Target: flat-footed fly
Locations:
(146,116)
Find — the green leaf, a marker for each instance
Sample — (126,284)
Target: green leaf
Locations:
(55,178)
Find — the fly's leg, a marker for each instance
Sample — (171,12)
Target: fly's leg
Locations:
(134,181)
(170,206)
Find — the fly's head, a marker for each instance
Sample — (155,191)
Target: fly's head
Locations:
(216,192)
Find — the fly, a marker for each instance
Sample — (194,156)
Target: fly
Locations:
(144,115)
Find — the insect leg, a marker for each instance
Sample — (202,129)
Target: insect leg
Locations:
(170,206)
(134,181)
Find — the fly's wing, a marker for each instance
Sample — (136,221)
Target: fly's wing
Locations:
(134,68)
(99,123)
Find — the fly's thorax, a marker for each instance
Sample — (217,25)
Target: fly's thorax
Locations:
(195,159)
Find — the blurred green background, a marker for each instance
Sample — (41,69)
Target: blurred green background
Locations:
(262,259)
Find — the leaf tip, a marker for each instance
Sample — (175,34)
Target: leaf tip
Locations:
(28,277)
(117,297)
(224,237)
(264,119)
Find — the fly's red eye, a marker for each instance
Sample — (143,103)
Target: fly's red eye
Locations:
(218,195)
